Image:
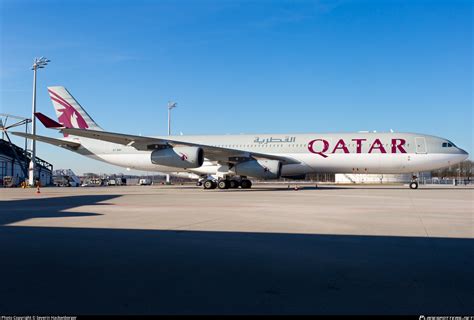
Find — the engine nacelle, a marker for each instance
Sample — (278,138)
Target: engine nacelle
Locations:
(179,157)
(262,169)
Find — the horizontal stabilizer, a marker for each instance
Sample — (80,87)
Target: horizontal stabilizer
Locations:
(48,122)
(57,142)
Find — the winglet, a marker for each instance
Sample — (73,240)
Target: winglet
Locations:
(48,122)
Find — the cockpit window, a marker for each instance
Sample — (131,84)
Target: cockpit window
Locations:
(448,145)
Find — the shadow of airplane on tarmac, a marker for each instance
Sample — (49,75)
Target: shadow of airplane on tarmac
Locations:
(12,211)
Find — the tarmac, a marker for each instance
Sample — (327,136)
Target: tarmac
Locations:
(268,250)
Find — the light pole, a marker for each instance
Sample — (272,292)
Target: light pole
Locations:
(38,63)
(171,105)
(459,175)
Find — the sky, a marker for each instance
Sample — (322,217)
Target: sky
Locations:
(243,66)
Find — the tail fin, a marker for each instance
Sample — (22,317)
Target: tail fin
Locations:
(69,112)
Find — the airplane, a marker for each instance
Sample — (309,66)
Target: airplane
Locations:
(228,161)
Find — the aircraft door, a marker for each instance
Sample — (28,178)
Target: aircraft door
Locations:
(420,145)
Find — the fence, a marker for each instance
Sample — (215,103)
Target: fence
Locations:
(452,181)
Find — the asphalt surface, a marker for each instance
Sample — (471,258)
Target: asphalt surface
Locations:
(268,250)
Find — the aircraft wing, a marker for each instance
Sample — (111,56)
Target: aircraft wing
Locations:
(149,143)
(56,142)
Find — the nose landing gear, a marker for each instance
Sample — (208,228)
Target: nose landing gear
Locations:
(414,182)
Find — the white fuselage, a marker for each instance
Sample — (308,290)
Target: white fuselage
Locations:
(331,152)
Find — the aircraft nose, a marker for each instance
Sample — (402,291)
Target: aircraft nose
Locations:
(464,153)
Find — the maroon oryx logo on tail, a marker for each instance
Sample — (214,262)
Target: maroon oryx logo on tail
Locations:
(70,117)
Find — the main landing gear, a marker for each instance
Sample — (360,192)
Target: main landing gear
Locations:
(234,184)
(223,184)
(209,184)
(414,182)
(246,184)
(227,184)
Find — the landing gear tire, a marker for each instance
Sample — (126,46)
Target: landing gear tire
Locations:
(233,184)
(413,185)
(246,184)
(223,184)
(199,183)
(209,184)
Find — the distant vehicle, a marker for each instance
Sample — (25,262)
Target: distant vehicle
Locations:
(144,182)
(121,181)
(89,184)
(10,181)
(92,182)
(117,182)
(226,161)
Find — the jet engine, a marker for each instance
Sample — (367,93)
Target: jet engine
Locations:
(179,157)
(262,169)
